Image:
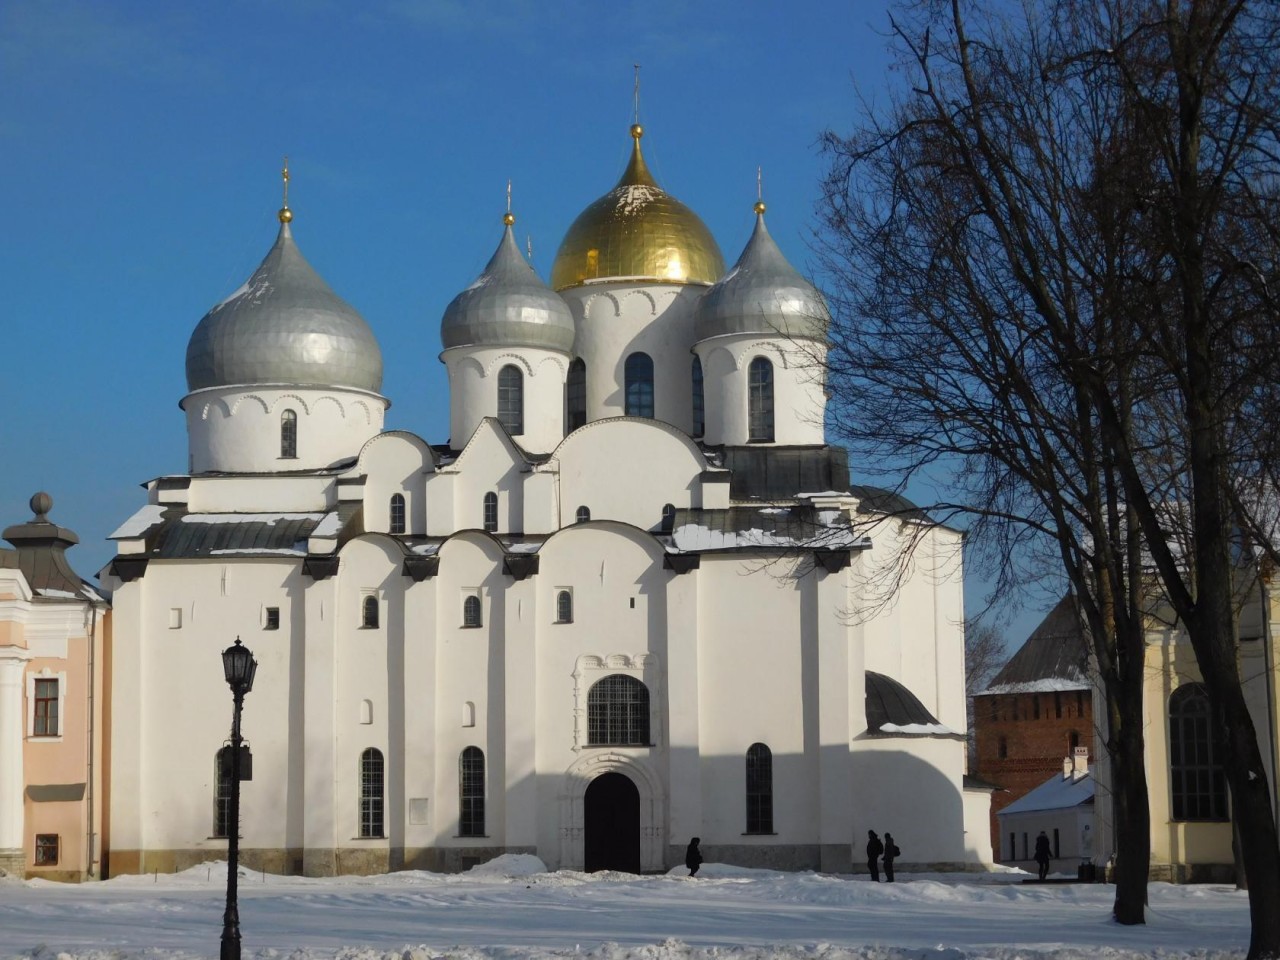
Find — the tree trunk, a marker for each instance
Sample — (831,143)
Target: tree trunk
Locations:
(1128,772)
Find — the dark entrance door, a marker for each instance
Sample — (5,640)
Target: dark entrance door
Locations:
(612,821)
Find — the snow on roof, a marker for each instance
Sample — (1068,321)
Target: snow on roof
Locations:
(329,526)
(270,519)
(266,551)
(1048,685)
(140,522)
(1056,793)
(918,729)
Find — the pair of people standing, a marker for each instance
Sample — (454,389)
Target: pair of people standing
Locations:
(875,850)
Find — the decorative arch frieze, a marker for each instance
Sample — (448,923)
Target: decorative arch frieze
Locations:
(368,410)
(748,352)
(291,399)
(643,295)
(245,397)
(589,305)
(471,361)
(217,403)
(560,364)
(330,398)
(502,359)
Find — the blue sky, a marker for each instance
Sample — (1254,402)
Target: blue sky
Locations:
(142,143)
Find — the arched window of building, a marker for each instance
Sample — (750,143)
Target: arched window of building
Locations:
(760,401)
(1196,778)
(471,611)
(564,607)
(1002,748)
(639,386)
(575,396)
(471,793)
(618,712)
(511,399)
(288,435)
(1073,740)
(371,793)
(491,512)
(397,513)
(759,789)
(369,611)
(699,402)
(668,517)
(222,793)
(583,515)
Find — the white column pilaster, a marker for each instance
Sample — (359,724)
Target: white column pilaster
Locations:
(12,780)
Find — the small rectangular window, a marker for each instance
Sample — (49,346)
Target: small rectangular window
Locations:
(46,709)
(175,618)
(46,849)
(271,620)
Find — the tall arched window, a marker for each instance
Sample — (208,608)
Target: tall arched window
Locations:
(575,396)
(491,512)
(564,607)
(618,712)
(760,401)
(668,517)
(639,393)
(471,611)
(369,611)
(471,793)
(222,793)
(511,399)
(288,435)
(699,404)
(371,793)
(397,513)
(759,789)
(1195,769)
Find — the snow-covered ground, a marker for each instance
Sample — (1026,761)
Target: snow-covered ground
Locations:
(512,908)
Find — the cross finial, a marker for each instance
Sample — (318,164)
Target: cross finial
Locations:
(528,245)
(508,218)
(637,94)
(285,213)
(759,206)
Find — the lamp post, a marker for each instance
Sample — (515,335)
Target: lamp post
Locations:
(239,667)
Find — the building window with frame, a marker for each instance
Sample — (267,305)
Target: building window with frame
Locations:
(371,793)
(471,611)
(222,792)
(618,712)
(639,385)
(759,789)
(46,709)
(1196,778)
(995,708)
(471,793)
(271,618)
(511,399)
(396,519)
(564,607)
(288,435)
(491,512)
(760,401)
(369,612)
(1073,740)
(575,396)
(668,517)
(582,515)
(46,849)
(699,400)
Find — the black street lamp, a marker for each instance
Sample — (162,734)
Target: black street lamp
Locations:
(239,667)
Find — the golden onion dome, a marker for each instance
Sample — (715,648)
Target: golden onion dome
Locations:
(637,230)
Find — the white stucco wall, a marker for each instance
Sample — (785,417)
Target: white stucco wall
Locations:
(473,392)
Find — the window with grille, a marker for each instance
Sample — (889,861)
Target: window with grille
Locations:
(760,401)
(46,708)
(639,385)
(371,793)
(583,515)
(564,607)
(46,849)
(668,517)
(1195,772)
(288,435)
(222,793)
(397,513)
(471,611)
(699,402)
(491,512)
(471,793)
(618,712)
(575,396)
(759,789)
(369,612)
(271,618)
(511,399)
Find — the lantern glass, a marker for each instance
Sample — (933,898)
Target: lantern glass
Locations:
(238,666)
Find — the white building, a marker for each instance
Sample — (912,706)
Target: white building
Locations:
(620,608)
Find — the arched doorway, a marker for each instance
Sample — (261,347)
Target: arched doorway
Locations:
(611,817)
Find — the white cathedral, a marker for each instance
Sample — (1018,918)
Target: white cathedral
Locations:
(625,605)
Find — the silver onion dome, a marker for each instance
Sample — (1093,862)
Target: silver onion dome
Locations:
(762,294)
(508,305)
(284,326)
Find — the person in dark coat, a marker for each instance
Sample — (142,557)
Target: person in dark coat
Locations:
(891,852)
(693,857)
(1042,854)
(874,849)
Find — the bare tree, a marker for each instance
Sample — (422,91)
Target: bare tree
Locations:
(985,653)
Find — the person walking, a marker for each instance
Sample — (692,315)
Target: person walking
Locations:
(874,849)
(891,852)
(1042,854)
(693,856)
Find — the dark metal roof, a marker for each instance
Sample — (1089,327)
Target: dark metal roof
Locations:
(977,783)
(41,553)
(880,500)
(1054,657)
(777,473)
(199,535)
(888,701)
